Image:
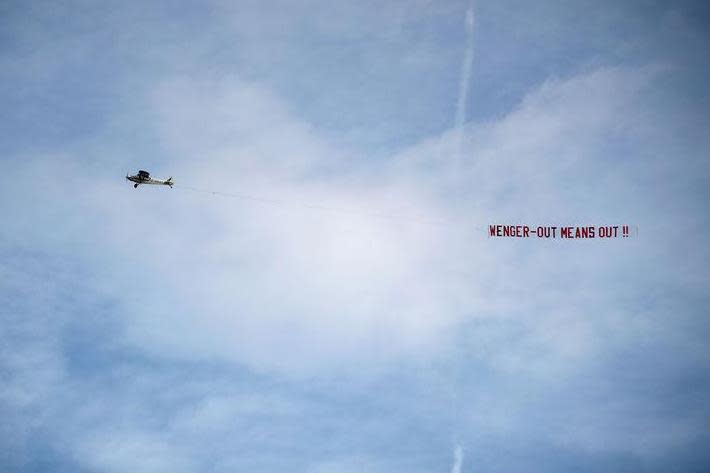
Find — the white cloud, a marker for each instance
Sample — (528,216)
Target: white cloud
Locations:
(593,347)
(222,414)
(297,291)
(117,451)
(283,286)
(345,465)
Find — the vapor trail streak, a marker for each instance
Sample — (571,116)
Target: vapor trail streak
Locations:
(458,459)
(465,80)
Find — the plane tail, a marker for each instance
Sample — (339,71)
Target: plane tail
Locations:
(169,181)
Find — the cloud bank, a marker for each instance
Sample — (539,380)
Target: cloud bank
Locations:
(170,330)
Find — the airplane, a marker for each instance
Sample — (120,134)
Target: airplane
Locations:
(143,177)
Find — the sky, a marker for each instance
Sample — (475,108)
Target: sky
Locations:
(318,293)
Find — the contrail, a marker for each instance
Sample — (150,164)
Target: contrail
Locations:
(464,83)
(466,66)
(458,459)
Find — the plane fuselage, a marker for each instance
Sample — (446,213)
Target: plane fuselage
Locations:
(138,179)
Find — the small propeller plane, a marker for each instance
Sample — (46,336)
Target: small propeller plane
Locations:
(143,177)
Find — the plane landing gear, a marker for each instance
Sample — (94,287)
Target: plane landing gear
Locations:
(135,186)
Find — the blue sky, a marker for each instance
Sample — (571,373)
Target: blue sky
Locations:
(358,318)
